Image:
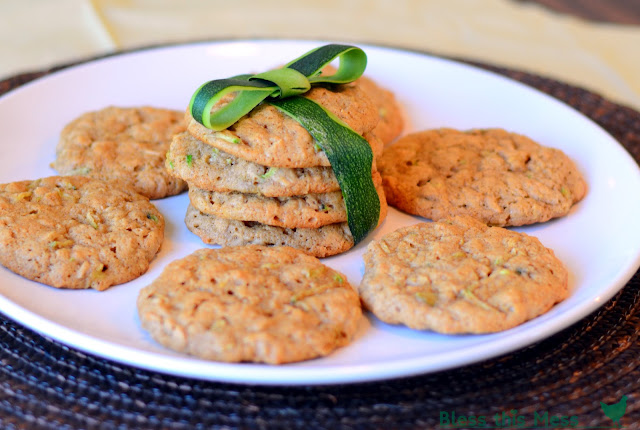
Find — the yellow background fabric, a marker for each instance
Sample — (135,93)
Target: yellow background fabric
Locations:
(604,58)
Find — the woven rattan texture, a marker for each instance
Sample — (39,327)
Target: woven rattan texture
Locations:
(44,384)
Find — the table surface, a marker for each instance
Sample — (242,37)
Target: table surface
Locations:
(615,11)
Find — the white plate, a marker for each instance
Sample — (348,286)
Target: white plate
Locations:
(599,240)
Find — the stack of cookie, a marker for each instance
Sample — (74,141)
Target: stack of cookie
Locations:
(264,181)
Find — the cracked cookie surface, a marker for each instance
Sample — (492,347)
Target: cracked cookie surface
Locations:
(250,303)
(76,232)
(501,178)
(122,144)
(460,276)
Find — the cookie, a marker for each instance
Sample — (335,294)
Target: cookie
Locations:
(320,242)
(501,178)
(250,303)
(390,115)
(305,211)
(391,119)
(460,276)
(206,167)
(77,232)
(122,144)
(267,136)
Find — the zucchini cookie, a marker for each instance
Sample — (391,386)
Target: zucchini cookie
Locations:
(391,120)
(501,178)
(122,144)
(77,232)
(267,136)
(306,211)
(320,242)
(250,303)
(206,167)
(390,116)
(460,276)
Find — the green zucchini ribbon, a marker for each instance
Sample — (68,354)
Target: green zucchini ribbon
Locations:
(293,79)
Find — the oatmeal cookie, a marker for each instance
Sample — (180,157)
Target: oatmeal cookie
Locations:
(501,178)
(460,276)
(391,121)
(122,144)
(267,136)
(390,115)
(77,232)
(307,211)
(250,303)
(320,242)
(204,166)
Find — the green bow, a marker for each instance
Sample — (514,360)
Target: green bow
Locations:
(293,79)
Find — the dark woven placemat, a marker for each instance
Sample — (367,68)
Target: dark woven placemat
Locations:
(44,384)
